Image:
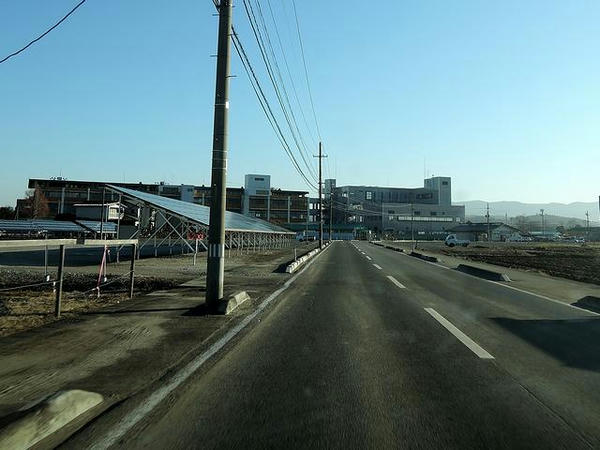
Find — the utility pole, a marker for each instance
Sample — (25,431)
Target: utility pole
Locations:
(487,216)
(543,225)
(587,226)
(320,156)
(216,231)
(330,213)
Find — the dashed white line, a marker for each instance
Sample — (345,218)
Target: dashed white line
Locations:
(462,337)
(368,257)
(396,282)
(377,266)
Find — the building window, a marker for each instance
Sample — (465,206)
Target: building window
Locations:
(391,211)
(433,213)
(417,213)
(369,195)
(259,179)
(444,183)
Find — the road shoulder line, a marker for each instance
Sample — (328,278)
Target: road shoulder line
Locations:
(156,397)
(462,337)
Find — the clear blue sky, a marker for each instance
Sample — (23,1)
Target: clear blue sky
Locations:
(502,96)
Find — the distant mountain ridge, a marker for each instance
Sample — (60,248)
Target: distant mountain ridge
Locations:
(513,209)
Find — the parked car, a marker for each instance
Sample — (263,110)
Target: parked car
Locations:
(452,240)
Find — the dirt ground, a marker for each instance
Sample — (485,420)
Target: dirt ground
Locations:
(572,261)
(33,306)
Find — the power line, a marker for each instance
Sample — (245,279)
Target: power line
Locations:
(279,92)
(290,73)
(312,104)
(263,101)
(43,34)
(265,105)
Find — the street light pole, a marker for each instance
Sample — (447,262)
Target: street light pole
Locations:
(215,265)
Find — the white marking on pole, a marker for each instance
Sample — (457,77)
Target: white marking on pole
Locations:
(377,266)
(462,337)
(368,257)
(396,282)
(154,399)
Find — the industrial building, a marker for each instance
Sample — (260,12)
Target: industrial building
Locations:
(423,212)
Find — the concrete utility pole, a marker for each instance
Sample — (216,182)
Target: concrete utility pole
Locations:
(587,225)
(330,213)
(487,216)
(543,224)
(216,231)
(320,156)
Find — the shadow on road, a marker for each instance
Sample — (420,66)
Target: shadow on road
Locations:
(574,342)
(590,303)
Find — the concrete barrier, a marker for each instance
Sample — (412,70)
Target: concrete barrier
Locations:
(47,416)
(235,300)
(424,257)
(482,273)
(291,268)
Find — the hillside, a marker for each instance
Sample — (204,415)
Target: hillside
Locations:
(575,210)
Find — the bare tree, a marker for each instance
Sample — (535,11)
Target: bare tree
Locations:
(35,204)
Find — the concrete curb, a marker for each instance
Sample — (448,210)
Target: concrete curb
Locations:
(424,257)
(291,268)
(235,300)
(47,416)
(482,273)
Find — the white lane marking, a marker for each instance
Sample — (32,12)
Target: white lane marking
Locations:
(379,267)
(147,405)
(543,297)
(512,287)
(368,257)
(396,282)
(462,337)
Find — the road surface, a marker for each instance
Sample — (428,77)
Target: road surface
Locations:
(370,348)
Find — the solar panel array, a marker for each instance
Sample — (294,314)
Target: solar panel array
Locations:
(40,225)
(201,214)
(108,227)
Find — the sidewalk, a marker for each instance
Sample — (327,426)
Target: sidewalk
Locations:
(120,350)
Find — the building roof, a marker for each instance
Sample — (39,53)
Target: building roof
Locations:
(479,227)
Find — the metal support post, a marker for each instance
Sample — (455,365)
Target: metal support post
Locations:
(132,271)
(59,280)
(102,214)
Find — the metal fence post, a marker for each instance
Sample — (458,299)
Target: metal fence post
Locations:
(132,271)
(61,265)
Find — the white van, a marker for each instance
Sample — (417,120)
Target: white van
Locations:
(452,240)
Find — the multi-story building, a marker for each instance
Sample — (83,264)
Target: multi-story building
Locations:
(62,195)
(275,205)
(402,212)
(257,198)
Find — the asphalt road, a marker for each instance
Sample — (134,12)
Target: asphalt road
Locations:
(429,358)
